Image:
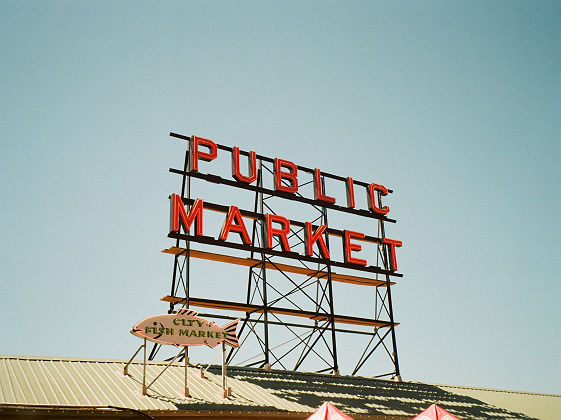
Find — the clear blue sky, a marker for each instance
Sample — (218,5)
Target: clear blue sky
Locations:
(454,105)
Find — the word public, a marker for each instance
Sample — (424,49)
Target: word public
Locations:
(285,180)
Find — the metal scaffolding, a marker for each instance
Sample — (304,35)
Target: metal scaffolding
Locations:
(297,298)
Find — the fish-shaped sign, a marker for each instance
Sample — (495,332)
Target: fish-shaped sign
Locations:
(185,328)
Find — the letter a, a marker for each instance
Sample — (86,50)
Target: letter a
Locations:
(234,222)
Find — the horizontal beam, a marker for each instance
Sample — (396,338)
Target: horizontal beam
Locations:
(209,240)
(215,179)
(286,324)
(250,308)
(220,208)
(271,160)
(252,262)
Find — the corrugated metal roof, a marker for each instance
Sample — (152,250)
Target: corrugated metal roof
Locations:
(91,383)
(541,406)
(68,382)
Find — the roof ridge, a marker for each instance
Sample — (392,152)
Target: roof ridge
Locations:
(60,358)
(507,391)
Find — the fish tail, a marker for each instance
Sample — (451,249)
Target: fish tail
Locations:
(230,329)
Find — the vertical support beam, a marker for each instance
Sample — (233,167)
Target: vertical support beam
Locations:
(254,233)
(144,371)
(226,391)
(390,306)
(186,359)
(177,273)
(185,184)
(224,366)
(186,192)
(266,362)
(330,290)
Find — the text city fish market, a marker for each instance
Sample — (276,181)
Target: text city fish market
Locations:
(286,171)
(185,332)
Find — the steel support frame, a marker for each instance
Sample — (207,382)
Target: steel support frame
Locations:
(315,342)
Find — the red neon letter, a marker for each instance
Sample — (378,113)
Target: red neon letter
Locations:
(196,154)
(291,176)
(234,222)
(318,190)
(179,215)
(350,187)
(372,188)
(392,243)
(348,247)
(236,166)
(311,238)
(281,233)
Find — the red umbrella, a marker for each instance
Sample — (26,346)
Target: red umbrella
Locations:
(434,412)
(329,412)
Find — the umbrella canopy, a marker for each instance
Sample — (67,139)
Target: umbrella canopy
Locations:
(434,412)
(329,412)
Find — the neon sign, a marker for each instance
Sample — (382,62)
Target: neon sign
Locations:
(278,227)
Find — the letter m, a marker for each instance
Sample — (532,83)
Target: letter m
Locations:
(179,216)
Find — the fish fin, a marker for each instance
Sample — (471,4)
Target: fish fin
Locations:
(186,311)
(230,329)
(210,345)
(231,326)
(232,341)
